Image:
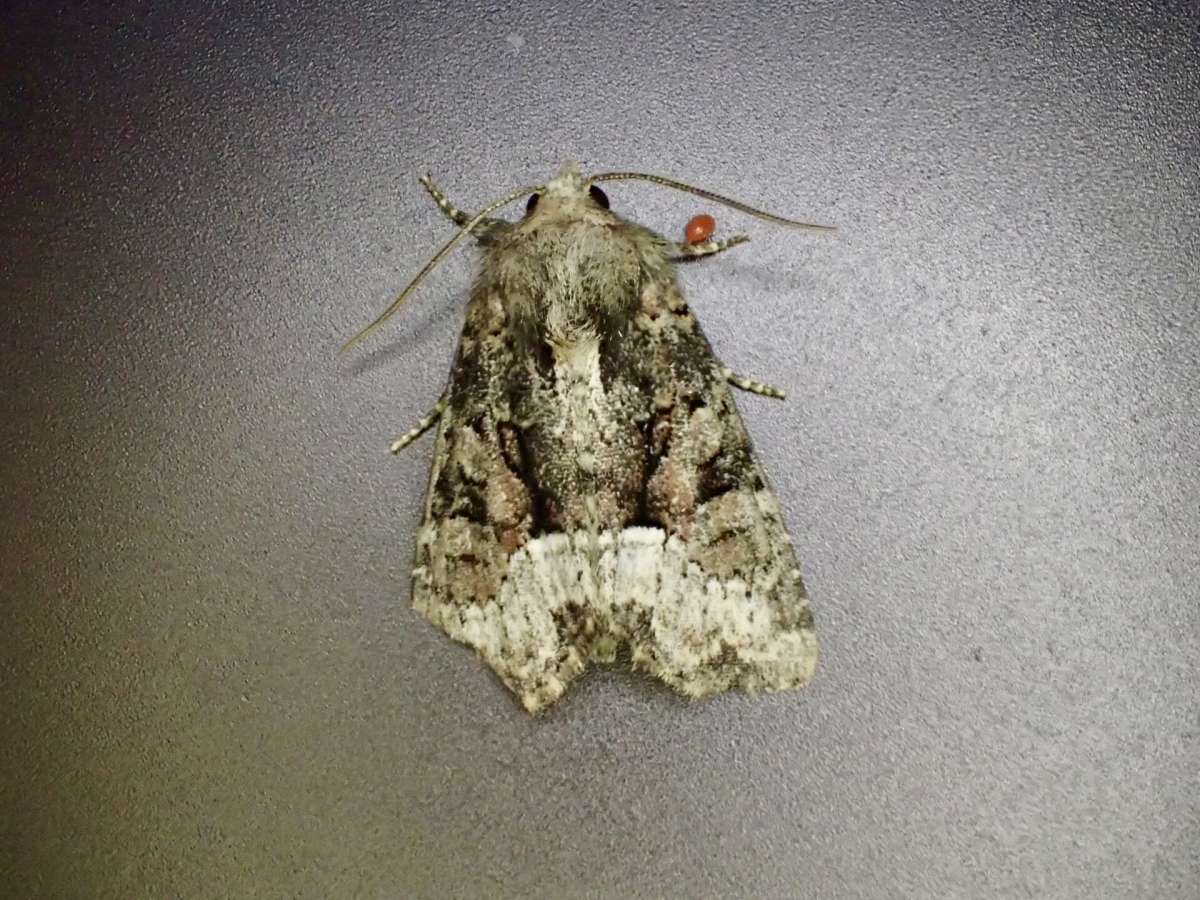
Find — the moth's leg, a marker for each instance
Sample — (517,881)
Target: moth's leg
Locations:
(708,248)
(754,387)
(456,215)
(422,426)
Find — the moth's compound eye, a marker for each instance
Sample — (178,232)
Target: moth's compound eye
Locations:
(700,229)
(531,203)
(599,196)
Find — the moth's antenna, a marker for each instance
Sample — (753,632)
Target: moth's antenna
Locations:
(708,195)
(437,258)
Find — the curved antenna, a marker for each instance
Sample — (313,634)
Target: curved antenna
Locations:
(437,258)
(709,195)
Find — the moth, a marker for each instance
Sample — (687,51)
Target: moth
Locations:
(594,493)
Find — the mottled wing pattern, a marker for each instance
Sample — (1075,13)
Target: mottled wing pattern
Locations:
(594,489)
(741,617)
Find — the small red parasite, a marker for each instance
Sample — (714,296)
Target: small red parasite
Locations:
(700,228)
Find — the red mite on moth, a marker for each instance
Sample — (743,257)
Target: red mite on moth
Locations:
(700,228)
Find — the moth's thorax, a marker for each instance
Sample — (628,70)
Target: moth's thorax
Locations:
(570,264)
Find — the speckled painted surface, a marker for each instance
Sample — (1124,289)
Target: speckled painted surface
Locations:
(213,683)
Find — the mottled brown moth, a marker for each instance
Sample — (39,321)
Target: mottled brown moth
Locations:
(594,491)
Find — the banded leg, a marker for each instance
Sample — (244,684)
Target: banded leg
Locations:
(754,387)
(708,248)
(453,213)
(422,426)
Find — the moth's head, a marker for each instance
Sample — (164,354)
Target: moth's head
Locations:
(565,196)
(568,193)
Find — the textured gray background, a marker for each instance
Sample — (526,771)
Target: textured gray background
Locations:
(213,683)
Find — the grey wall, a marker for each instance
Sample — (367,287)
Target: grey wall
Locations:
(213,683)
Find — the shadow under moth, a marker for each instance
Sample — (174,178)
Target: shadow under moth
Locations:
(594,491)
